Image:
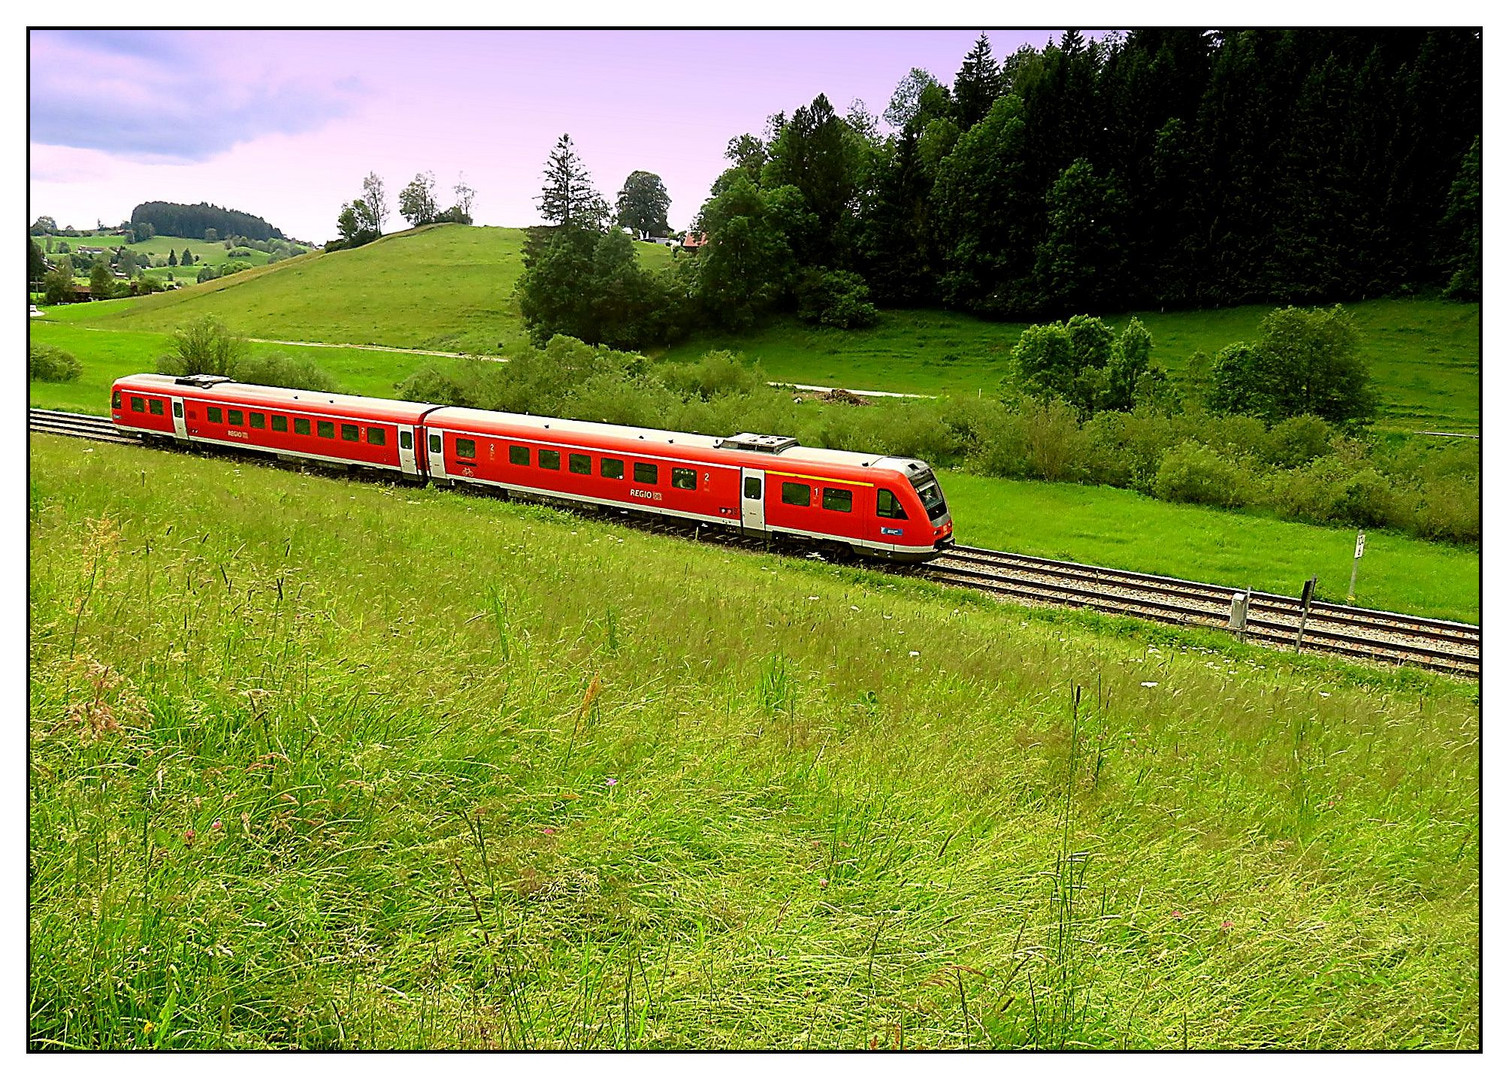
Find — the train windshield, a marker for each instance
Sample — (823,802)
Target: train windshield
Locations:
(931,495)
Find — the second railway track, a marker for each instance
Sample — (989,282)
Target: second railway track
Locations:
(1272,619)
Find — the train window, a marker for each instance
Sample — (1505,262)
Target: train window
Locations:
(435,444)
(686,479)
(138,405)
(212,415)
(325,429)
(466,448)
(550,459)
(279,423)
(751,487)
(645,473)
(257,420)
(178,409)
(796,494)
(351,433)
(300,426)
(580,464)
(611,467)
(376,436)
(406,440)
(888,506)
(235,416)
(838,499)
(154,406)
(518,455)
(115,400)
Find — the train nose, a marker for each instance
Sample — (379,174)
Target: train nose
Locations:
(943,535)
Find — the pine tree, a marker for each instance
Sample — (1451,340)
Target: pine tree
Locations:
(978,83)
(568,197)
(172,257)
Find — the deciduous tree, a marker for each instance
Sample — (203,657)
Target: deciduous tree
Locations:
(643,203)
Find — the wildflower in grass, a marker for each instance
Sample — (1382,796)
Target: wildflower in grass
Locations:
(1227,924)
(610,781)
(1178,914)
(217,827)
(548,831)
(188,837)
(147,1027)
(1149,684)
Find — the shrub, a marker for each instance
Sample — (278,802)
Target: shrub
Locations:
(1303,362)
(838,298)
(276,369)
(204,347)
(717,372)
(1450,508)
(1055,447)
(1334,491)
(430,384)
(48,363)
(1297,441)
(1194,473)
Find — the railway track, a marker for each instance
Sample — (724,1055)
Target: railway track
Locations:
(1272,620)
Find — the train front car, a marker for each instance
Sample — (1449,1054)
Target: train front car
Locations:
(914,520)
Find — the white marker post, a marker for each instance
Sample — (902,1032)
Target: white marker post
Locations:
(1362,539)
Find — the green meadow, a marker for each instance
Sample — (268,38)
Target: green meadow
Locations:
(324,764)
(450,288)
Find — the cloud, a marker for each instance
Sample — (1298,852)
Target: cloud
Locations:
(171,96)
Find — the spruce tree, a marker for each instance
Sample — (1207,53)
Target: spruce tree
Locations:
(978,83)
(568,197)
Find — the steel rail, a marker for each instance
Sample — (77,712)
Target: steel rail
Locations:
(1273,619)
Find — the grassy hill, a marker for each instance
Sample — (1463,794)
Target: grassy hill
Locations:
(450,288)
(493,779)
(445,287)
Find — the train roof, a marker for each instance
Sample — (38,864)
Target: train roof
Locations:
(755,451)
(272,397)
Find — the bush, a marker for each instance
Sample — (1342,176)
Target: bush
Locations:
(1194,473)
(204,347)
(1055,447)
(717,372)
(275,369)
(47,363)
(1333,491)
(1451,509)
(1297,441)
(838,298)
(430,384)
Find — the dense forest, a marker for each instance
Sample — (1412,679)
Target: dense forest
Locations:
(182,219)
(1178,168)
(1166,167)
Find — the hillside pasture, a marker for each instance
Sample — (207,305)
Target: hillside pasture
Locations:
(324,764)
(450,287)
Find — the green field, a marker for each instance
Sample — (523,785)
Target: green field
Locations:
(1069,521)
(1111,527)
(450,288)
(316,763)
(1424,353)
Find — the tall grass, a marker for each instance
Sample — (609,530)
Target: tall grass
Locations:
(337,765)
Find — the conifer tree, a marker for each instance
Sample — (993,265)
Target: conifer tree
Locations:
(568,197)
(978,83)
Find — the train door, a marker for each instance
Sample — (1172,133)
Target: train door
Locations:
(435,452)
(179,428)
(406,460)
(752,499)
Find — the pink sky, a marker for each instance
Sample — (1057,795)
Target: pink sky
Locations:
(284,124)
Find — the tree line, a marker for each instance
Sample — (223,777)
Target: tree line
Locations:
(181,219)
(1177,168)
(362,220)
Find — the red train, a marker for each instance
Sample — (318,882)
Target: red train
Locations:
(767,485)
